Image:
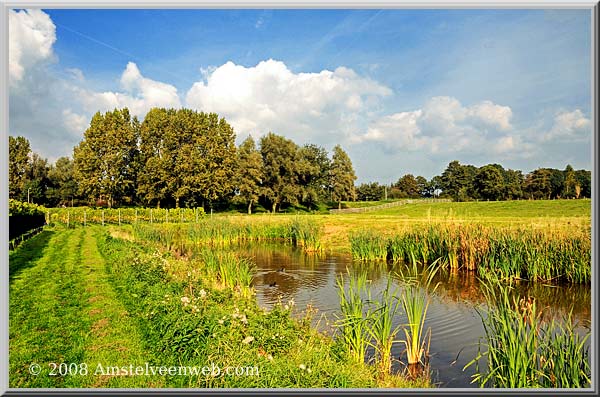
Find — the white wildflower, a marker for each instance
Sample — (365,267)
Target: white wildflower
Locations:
(302,367)
(248,339)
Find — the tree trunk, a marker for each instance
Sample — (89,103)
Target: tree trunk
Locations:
(176,202)
(158,204)
(339,205)
(274,206)
(250,207)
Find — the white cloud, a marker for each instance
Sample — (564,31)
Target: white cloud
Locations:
(444,125)
(76,123)
(270,97)
(572,126)
(31,37)
(140,94)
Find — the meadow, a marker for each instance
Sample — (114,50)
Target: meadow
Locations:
(166,290)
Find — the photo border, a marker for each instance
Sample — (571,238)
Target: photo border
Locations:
(593,6)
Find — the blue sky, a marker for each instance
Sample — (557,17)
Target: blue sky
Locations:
(403,91)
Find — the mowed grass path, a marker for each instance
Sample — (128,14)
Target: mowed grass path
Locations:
(64,310)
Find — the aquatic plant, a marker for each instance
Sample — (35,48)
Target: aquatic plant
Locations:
(522,350)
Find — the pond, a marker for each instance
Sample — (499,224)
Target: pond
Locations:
(284,273)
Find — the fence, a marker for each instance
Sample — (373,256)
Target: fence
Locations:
(83,216)
(386,205)
(14,243)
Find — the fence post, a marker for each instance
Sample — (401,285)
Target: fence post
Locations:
(84,218)
(102,217)
(119,217)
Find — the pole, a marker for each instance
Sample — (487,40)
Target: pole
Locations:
(119,217)
(28,195)
(150,215)
(102,217)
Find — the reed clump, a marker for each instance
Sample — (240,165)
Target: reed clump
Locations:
(523,350)
(522,253)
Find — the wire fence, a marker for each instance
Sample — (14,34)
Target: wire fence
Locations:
(72,217)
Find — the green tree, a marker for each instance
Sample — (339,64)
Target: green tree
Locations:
(513,184)
(19,151)
(570,182)
(456,181)
(63,188)
(371,191)
(279,156)
(489,183)
(409,186)
(313,171)
(249,174)
(537,184)
(104,158)
(341,176)
(584,183)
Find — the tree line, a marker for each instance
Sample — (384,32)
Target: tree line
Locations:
(180,158)
(184,158)
(489,182)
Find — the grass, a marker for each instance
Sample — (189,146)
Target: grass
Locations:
(63,310)
(92,297)
(523,351)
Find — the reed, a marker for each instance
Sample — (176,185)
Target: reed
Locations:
(366,245)
(381,328)
(415,299)
(229,270)
(522,350)
(522,253)
(353,321)
(306,234)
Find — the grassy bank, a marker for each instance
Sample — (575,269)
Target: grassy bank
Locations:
(84,296)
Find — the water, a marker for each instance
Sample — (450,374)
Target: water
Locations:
(285,273)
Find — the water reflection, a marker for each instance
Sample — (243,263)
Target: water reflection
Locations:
(285,273)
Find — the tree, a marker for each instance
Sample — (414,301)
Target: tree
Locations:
(584,183)
(187,156)
(211,156)
(513,184)
(570,182)
(371,191)
(424,187)
(279,156)
(63,186)
(456,181)
(313,171)
(249,175)
(18,163)
(489,183)
(409,186)
(537,184)
(104,158)
(341,176)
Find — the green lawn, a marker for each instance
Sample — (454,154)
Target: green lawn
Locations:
(493,209)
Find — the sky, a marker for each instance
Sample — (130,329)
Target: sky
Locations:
(402,91)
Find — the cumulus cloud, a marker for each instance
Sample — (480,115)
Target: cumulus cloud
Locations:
(31,37)
(270,97)
(139,94)
(444,125)
(572,126)
(76,123)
